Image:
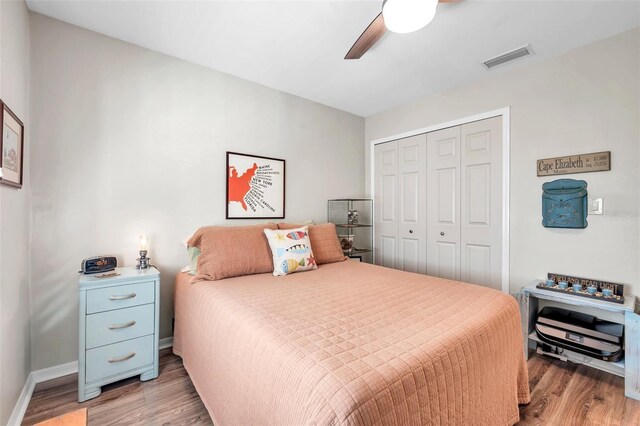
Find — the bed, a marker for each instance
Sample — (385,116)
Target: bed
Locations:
(351,343)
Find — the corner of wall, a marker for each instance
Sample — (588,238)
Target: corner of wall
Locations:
(15,311)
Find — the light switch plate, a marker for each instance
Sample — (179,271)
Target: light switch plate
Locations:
(596,206)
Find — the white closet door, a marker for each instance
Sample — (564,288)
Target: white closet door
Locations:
(386,204)
(443,205)
(412,214)
(481,206)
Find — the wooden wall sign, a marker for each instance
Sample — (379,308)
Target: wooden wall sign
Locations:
(617,289)
(582,163)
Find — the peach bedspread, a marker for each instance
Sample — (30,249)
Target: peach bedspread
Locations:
(351,343)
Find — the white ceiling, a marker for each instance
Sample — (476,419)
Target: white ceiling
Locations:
(298,46)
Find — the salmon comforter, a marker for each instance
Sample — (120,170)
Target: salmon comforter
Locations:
(351,343)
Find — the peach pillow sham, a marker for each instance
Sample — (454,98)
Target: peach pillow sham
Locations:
(232,251)
(324,241)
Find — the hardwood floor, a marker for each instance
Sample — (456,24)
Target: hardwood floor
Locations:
(561,394)
(170,399)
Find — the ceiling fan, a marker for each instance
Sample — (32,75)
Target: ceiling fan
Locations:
(398,16)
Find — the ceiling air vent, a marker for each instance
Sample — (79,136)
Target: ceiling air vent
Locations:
(509,56)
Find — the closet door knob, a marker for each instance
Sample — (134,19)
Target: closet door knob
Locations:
(442,233)
(411,231)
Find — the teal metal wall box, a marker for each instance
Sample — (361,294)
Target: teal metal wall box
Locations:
(564,204)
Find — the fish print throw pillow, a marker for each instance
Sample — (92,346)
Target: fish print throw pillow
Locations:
(291,250)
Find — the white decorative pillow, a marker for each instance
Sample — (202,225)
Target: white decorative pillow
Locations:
(291,250)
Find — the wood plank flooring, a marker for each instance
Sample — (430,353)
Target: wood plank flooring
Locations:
(170,399)
(561,394)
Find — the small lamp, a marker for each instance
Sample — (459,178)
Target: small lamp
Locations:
(143,245)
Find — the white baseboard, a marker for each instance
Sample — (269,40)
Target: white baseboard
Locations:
(23,402)
(34,378)
(55,372)
(165,343)
(51,373)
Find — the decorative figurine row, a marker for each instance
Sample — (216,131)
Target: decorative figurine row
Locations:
(593,289)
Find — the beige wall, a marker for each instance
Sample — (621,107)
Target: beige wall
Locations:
(15,347)
(586,100)
(126,141)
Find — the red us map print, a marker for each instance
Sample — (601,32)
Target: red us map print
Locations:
(255,186)
(239,186)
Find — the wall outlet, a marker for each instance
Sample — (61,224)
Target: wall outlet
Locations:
(596,206)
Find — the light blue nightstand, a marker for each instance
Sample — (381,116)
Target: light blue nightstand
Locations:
(118,328)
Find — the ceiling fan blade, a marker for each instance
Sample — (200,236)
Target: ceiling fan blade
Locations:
(368,38)
(372,34)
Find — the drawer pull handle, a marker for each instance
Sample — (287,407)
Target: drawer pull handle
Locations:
(122,358)
(126,296)
(118,326)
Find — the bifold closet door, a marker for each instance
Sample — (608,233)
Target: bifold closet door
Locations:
(438,203)
(443,204)
(412,213)
(481,203)
(386,204)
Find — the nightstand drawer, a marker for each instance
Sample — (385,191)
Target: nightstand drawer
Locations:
(118,297)
(114,359)
(109,327)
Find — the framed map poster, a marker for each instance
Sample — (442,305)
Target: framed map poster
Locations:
(11,147)
(255,187)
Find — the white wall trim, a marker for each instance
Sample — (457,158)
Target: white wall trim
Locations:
(54,372)
(23,402)
(34,378)
(165,343)
(505,113)
(51,373)
(506,205)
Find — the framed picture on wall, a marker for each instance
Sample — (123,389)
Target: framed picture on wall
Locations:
(11,147)
(255,187)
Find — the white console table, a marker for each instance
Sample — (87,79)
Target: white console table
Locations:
(629,367)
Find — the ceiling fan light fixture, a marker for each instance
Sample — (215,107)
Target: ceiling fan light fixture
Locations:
(406,16)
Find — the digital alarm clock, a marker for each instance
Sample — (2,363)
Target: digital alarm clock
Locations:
(97,264)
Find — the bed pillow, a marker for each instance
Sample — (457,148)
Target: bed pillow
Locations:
(291,250)
(324,240)
(194,254)
(231,251)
